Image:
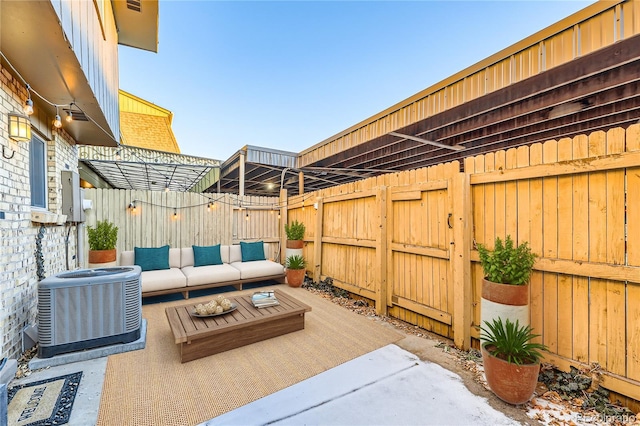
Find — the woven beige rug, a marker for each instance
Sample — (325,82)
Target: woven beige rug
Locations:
(152,387)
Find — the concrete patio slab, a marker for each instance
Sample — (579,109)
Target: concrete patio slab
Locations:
(389,386)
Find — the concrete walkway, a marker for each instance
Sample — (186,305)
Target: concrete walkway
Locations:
(389,386)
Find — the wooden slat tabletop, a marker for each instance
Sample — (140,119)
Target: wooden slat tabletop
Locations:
(186,327)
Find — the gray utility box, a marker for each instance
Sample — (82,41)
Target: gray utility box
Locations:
(72,196)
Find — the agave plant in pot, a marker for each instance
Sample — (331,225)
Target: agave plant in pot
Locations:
(102,243)
(296,265)
(511,360)
(505,286)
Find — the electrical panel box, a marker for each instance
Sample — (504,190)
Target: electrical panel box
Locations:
(72,197)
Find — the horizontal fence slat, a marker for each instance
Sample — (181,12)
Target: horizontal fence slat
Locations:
(427,311)
(601,271)
(406,196)
(369,294)
(349,242)
(572,167)
(422,251)
(353,196)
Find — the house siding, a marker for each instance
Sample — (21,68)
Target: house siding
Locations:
(18,233)
(96,48)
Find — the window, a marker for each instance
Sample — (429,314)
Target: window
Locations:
(38,172)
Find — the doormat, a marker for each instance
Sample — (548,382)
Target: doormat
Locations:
(45,402)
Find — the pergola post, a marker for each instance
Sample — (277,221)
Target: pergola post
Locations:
(241,175)
(300,183)
(283,220)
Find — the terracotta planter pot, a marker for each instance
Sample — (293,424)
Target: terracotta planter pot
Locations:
(295,277)
(295,244)
(504,301)
(511,383)
(506,294)
(102,256)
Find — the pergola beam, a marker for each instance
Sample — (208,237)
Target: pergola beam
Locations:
(427,142)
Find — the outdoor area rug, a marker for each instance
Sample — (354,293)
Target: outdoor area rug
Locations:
(44,402)
(152,387)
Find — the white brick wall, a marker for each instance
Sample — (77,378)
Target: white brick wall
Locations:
(18,277)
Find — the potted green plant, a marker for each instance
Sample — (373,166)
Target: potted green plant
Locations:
(295,234)
(102,242)
(295,265)
(505,285)
(511,360)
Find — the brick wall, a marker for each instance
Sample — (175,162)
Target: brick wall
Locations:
(18,233)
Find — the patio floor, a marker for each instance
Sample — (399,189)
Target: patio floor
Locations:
(397,383)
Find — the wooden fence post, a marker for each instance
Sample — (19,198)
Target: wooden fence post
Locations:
(381,252)
(461,261)
(284,206)
(317,243)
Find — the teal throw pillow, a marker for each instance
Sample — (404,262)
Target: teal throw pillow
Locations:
(252,251)
(206,255)
(152,258)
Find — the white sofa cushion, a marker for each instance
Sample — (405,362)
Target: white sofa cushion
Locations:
(258,268)
(210,274)
(235,254)
(164,279)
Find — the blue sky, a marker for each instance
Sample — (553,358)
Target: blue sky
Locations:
(289,74)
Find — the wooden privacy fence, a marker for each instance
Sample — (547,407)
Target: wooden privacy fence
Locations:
(407,241)
(182,219)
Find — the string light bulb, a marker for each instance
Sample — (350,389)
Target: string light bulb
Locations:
(132,206)
(247,216)
(69,117)
(28,104)
(209,206)
(166,186)
(175,213)
(57,122)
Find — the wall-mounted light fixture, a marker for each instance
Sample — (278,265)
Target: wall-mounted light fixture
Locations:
(19,127)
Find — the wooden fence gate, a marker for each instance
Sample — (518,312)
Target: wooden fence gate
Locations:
(419,255)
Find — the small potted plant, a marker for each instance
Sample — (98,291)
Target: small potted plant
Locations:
(505,285)
(295,234)
(511,360)
(102,242)
(296,265)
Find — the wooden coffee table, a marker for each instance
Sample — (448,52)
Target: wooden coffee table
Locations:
(200,337)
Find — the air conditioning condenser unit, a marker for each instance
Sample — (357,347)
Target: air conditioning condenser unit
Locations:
(89,308)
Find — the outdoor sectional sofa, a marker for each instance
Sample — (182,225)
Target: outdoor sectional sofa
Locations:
(181,270)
